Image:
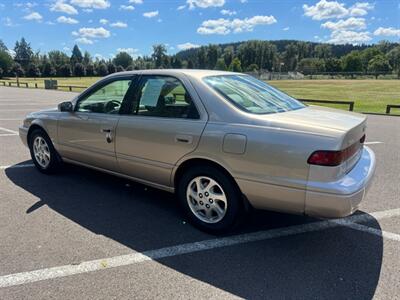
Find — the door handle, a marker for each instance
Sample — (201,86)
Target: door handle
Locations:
(109,135)
(182,138)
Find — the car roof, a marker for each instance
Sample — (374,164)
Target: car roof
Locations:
(189,72)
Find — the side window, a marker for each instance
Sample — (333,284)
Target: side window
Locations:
(107,99)
(163,96)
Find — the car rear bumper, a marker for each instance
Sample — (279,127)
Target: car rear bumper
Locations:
(23,134)
(344,195)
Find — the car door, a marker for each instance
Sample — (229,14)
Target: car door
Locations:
(87,135)
(164,123)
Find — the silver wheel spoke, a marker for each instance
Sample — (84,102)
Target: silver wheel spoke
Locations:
(41,152)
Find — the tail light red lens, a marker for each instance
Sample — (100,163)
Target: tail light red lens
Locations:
(334,158)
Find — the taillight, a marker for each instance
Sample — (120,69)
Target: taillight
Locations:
(334,158)
(326,158)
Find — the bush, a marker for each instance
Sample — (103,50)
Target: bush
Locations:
(79,70)
(120,69)
(111,68)
(17,70)
(90,71)
(33,70)
(65,71)
(102,69)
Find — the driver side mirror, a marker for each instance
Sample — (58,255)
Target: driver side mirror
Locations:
(66,106)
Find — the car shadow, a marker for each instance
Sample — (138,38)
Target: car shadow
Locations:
(332,264)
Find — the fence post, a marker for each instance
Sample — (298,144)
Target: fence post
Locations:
(35,85)
(70,88)
(351,106)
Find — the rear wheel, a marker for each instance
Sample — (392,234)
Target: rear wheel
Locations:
(210,199)
(43,154)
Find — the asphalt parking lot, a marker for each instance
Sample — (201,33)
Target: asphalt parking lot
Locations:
(87,235)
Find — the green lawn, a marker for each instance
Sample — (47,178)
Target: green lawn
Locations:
(369,95)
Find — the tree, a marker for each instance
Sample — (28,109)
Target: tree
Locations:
(48,70)
(87,58)
(352,62)
(290,57)
(33,70)
(190,64)
(220,65)
(111,68)
(17,70)
(323,51)
(367,54)
(176,62)
(228,55)
(64,71)
(252,68)
(6,61)
(333,65)
(102,69)
(58,58)
(123,59)
(120,69)
(3,46)
(379,64)
(202,58)
(79,70)
(236,65)
(394,59)
(76,56)
(212,56)
(311,65)
(90,71)
(159,53)
(23,53)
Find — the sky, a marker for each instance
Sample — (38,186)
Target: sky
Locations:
(106,27)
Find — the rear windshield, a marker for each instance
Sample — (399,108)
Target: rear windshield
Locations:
(252,95)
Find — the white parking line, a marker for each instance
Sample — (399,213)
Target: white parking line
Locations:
(372,143)
(11,119)
(17,166)
(381,233)
(8,134)
(8,130)
(134,258)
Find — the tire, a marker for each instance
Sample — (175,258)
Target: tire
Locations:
(44,156)
(205,208)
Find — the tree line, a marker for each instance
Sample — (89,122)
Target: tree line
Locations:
(249,56)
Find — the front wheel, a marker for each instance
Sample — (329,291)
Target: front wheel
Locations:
(43,154)
(210,199)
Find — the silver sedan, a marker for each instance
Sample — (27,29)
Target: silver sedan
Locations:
(224,142)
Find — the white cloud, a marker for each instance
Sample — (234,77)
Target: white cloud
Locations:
(360,8)
(84,40)
(97,4)
(119,24)
(151,14)
(286,28)
(103,21)
(349,24)
(60,6)
(34,16)
(332,9)
(227,12)
(181,7)
(388,31)
(89,32)
(186,46)
(99,56)
(349,37)
(136,1)
(225,26)
(325,10)
(67,20)
(204,3)
(127,7)
(8,22)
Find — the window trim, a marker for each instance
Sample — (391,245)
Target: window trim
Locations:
(134,103)
(100,84)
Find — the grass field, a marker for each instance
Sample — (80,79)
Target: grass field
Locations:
(369,95)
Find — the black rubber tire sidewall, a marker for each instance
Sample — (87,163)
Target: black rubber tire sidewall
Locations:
(233,194)
(54,158)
